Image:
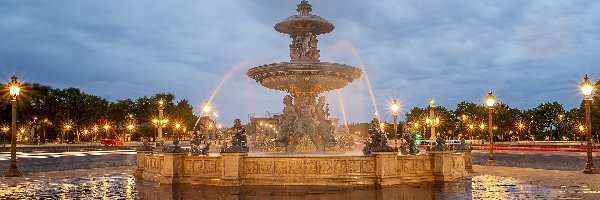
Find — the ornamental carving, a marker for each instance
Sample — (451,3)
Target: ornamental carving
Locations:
(368,166)
(311,167)
(297,167)
(281,167)
(266,167)
(251,168)
(340,166)
(325,167)
(354,166)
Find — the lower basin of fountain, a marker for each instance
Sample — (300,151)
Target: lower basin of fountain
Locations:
(237,169)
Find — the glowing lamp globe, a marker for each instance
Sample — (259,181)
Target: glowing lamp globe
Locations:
(586,87)
(490,100)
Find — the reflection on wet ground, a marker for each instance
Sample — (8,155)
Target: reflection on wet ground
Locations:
(124,186)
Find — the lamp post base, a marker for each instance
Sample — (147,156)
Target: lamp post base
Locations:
(491,162)
(13,172)
(590,168)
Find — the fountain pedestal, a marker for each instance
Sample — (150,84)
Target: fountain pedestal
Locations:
(141,163)
(232,167)
(468,160)
(172,171)
(446,166)
(385,167)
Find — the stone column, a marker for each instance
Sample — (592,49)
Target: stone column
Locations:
(172,168)
(385,167)
(468,160)
(233,166)
(141,163)
(446,165)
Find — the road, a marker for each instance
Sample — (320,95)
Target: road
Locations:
(47,161)
(553,160)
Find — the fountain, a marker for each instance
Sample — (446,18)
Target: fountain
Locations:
(305,126)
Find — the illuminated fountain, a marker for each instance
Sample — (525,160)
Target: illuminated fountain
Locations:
(304,125)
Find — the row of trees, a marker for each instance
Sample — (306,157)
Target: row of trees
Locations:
(56,113)
(548,121)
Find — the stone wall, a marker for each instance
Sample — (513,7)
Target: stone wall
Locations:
(233,169)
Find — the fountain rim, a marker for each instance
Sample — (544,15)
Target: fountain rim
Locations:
(306,67)
(286,26)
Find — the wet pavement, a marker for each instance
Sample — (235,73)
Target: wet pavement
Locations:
(553,160)
(28,162)
(119,183)
(74,175)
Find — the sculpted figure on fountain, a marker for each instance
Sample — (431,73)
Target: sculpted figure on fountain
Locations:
(378,141)
(288,119)
(238,141)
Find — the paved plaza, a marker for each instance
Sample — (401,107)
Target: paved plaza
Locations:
(95,174)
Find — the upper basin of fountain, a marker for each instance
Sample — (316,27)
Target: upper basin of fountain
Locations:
(304,77)
(304,22)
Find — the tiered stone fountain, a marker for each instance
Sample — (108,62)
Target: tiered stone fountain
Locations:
(305,125)
(306,129)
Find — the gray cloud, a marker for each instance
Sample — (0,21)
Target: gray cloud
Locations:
(528,52)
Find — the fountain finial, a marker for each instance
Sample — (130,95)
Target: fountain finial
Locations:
(304,8)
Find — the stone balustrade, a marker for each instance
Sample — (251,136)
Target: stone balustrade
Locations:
(234,169)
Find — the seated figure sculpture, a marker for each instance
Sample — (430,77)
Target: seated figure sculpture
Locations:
(440,144)
(196,146)
(238,141)
(378,140)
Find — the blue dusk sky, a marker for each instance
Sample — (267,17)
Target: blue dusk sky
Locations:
(526,51)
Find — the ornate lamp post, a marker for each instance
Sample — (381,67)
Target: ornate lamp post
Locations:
(176,135)
(67,128)
(15,88)
(161,107)
(490,101)
(431,116)
(95,130)
(206,108)
(395,107)
(85,134)
(130,127)
(5,130)
(106,127)
(471,131)
(587,89)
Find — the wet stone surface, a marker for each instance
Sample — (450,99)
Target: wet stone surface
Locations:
(552,160)
(118,183)
(45,180)
(30,162)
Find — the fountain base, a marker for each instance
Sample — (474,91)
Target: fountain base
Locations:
(236,169)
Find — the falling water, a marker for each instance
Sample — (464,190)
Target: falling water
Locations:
(342,106)
(356,55)
(229,73)
(235,69)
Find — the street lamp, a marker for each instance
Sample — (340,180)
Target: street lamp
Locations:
(130,127)
(106,127)
(520,127)
(176,135)
(14,89)
(490,101)
(85,133)
(95,129)
(471,131)
(5,130)
(587,89)
(206,108)
(431,115)
(161,107)
(395,107)
(67,127)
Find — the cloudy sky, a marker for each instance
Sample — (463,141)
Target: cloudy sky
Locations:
(527,52)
